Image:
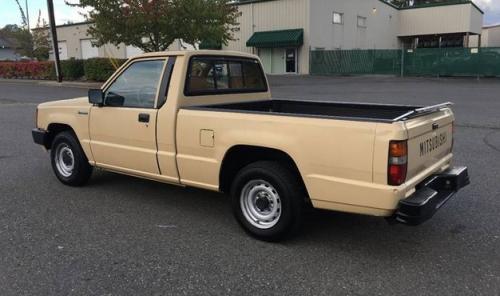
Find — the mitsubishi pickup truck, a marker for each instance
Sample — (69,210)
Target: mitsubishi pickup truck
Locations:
(206,119)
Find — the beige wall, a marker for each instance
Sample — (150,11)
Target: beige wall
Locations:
(440,20)
(380,32)
(491,37)
(270,16)
(71,35)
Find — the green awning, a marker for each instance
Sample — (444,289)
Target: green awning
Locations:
(272,39)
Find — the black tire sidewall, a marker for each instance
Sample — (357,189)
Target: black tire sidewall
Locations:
(282,181)
(82,169)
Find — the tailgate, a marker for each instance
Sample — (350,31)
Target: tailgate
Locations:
(430,139)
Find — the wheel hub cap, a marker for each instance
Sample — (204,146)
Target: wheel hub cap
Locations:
(260,204)
(64,160)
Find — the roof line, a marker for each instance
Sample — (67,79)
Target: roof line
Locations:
(456,2)
(491,26)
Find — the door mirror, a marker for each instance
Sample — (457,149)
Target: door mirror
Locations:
(96,97)
(114,100)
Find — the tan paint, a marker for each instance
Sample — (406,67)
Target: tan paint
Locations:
(343,163)
(460,18)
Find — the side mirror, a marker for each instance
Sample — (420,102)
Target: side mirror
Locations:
(114,100)
(96,97)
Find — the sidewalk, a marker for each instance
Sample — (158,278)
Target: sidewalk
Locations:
(76,84)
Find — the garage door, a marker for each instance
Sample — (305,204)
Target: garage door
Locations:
(88,51)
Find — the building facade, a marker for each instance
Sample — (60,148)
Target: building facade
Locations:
(74,42)
(283,32)
(491,36)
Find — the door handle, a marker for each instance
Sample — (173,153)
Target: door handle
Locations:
(143,117)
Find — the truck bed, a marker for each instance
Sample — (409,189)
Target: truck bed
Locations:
(340,110)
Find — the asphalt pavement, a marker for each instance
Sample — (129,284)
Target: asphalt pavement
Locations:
(125,236)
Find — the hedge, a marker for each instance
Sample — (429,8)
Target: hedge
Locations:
(100,69)
(96,69)
(28,70)
(72,69)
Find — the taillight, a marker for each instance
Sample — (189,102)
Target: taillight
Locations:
(398,162)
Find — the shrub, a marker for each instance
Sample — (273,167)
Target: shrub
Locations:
(100,69)
(72,69)
(29,70)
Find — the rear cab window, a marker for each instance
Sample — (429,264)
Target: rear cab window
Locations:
(212,75)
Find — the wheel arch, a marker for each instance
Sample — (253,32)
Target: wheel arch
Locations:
(56,128)
(240,156)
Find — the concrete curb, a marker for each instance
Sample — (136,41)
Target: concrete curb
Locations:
(76,84)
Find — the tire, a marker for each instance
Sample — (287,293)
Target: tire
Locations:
(69,162)
(267,200)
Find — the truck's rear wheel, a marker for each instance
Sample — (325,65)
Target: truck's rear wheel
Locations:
(267,200)
(68,160)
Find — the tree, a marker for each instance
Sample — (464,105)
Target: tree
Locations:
(152,25)
(22,35)
(21,39)
(41,43)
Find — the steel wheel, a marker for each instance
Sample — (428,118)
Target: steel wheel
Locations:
(260,204)
(64,160)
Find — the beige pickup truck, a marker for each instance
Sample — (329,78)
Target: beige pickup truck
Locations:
(206,119)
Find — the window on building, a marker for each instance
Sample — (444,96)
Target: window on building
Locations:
(212,75)
(338,18)
(361,22)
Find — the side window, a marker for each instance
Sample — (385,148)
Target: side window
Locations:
(253,76)
(136,87)
(212,75)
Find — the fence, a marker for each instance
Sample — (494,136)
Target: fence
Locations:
(480,62)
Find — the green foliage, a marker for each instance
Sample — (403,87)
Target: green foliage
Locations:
(153,25)
(21,37)
(30,44)
(72,69)
(100,69)
(41,44)
(96,69)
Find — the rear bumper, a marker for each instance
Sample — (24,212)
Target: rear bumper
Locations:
(41,137)
(430,196)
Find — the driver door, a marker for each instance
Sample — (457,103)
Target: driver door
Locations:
(123,130)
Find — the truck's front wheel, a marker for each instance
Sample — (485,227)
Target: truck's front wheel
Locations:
(267,200)
(69,161)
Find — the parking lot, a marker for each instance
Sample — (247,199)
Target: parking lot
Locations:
(125,236)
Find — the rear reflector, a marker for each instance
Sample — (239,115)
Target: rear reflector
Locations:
(397,162)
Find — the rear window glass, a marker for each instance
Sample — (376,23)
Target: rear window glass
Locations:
(211,75)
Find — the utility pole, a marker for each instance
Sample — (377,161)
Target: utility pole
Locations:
(55,44)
